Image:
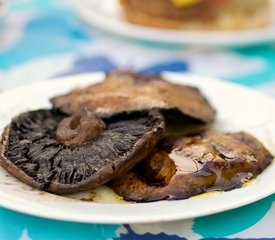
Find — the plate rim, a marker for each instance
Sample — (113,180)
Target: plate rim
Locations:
(32,210)
(234,38)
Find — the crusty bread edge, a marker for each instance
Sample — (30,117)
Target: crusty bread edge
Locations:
(261,19)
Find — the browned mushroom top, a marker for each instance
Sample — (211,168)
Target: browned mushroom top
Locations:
(185,166)
(126,92)
(51,151)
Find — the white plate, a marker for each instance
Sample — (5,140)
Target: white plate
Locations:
(107,15)
(238,109)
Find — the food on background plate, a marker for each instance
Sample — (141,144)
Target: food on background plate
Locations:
(199,14)
(95,135)
(50,151)
(182,167)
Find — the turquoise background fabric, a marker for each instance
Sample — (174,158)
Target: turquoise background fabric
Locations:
(42,39)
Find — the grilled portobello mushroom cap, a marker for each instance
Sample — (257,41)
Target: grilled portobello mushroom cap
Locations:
(128,91)
(52,151)
(182,167)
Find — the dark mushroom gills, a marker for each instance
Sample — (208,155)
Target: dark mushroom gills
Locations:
(56,153)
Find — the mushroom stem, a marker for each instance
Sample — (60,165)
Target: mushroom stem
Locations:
(79,128)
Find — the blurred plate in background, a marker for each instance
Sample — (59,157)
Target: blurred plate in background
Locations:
(108,16)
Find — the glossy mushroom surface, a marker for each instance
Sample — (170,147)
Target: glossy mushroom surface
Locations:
(186,166)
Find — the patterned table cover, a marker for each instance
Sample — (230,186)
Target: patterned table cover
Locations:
(41,39)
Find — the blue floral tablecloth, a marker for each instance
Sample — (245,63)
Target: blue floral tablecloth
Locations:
(42,39)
